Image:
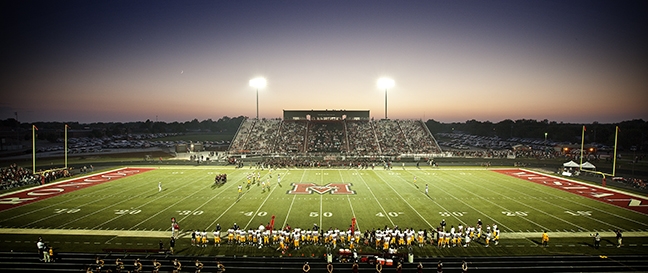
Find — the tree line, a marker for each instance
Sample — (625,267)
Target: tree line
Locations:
(633,133)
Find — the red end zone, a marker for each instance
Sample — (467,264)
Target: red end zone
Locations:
(610,196)
(15,199)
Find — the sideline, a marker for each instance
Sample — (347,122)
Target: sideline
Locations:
(187,234)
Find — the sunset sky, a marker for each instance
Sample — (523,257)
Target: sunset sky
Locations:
(91,61)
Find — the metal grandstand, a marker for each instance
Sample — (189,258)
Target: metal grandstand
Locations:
(333,132)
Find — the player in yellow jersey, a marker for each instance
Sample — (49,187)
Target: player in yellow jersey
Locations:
(217,240)
(205,240)
(545,238)
(315,239)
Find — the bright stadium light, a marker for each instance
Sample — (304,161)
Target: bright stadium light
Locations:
(258,83)
(385,83)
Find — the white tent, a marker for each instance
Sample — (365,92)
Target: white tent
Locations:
(588,165)
(571,164)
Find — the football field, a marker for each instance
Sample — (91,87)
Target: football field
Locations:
(128,200)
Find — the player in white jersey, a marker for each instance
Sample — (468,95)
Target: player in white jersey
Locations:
(159,186)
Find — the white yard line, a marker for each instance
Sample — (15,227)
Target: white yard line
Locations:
(230,185)
(408,204)
(321,201)
(376,198)
(151,201)
(171,206)
(261,206)
(350,205)
(289,209)
(225,211)
(437,203)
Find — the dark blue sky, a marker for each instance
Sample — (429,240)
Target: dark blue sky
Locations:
(573,61)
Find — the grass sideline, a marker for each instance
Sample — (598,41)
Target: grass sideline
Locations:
(382,197)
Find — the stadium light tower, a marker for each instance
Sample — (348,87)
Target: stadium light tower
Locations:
(385,83)
(258,83)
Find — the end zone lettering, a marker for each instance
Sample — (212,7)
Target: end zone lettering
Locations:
(331,188)
(35,194)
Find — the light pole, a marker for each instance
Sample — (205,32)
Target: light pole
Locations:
(385,83)
(257,83)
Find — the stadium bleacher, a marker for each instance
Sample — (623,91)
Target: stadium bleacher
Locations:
(350,137)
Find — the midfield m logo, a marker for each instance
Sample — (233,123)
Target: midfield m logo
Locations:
(310,188)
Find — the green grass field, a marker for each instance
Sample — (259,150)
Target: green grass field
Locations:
(133,207)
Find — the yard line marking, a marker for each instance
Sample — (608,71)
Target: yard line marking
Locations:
(151,201)
(100,210)
(556,205)
(260,206)
(457,218)
(408,204)
(210,199)
(374,196)
(525,218)
(350,205)
(289,209)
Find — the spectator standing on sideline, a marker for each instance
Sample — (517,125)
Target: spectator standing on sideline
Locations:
(619,238)
(419,268)
(464,266)
(306,267)
(597,240)
(171,245)
(439,267)
(40,245)
(50,252)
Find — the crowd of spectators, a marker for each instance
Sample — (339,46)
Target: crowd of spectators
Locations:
(262,136)
(238,143)
(390,137)
(312,162)
(634,182)
(418,138)
(326,137)
(291,137)
(358,138)
(16,176)
(362,139)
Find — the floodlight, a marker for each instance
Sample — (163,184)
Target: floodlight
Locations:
(384,83)
(258,82)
